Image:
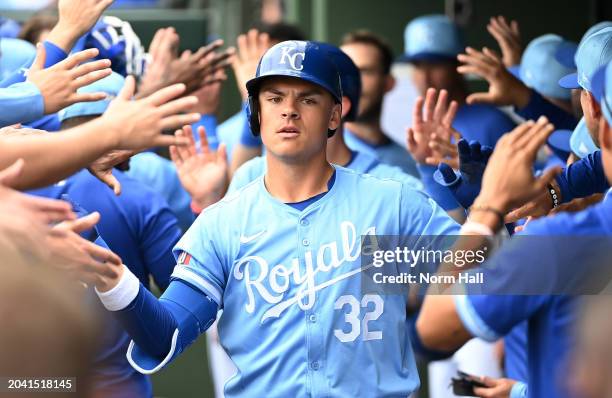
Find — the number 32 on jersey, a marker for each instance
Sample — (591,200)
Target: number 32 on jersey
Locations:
(371,305)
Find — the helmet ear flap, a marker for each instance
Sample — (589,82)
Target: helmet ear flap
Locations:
(253,115)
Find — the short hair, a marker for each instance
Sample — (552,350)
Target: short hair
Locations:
(369,38)
(281,31)
(34,26)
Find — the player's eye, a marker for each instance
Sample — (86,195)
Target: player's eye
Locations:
(275,100)
(309,101)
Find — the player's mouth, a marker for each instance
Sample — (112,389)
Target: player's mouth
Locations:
(289,132)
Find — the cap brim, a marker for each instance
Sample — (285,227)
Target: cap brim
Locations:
(426,57)
(559,142)
(565,54)
(598,82)
(569,81)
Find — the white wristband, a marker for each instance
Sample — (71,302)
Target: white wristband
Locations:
(123,294)
(476,228)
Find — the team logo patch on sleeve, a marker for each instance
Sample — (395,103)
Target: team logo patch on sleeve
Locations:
(184,258)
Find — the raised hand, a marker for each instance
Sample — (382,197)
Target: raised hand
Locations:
(138,124)
(508,38)
(465,184)
(162,51)
(430,117)
(59,83)
(76,17)
(203,174)
(251,47)
(192,69)
(81,259)
(504,88)
(102,168)
(508,181)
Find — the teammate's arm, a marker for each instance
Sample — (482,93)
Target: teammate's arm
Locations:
(160,329)
(127,124)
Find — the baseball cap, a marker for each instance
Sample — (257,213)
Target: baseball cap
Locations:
(567,52)
(432,38)
(539,69)
(111,85)
(581,142)
(15,54)
(559,142)
(9,28)
(593,52)
(602,90)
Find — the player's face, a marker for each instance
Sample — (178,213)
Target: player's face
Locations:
(592,114)
(374,81)
(439,75)
(295,116)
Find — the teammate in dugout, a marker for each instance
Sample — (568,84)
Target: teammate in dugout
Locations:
(281,257)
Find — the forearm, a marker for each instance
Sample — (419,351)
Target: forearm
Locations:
(442,195)
(160,329)
(52,157)
(538,106)
(582,178)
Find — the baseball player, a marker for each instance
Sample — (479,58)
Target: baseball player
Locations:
(281,257)
(337,150)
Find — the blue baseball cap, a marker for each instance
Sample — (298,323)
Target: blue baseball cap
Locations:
(111,85)
(602,90)
(432,38)
(594,51)
(566,53)
(559,142)
(581,142)
(9,28)
(15,54)
(539,69)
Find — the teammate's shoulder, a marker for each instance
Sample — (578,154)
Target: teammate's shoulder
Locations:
(365,179)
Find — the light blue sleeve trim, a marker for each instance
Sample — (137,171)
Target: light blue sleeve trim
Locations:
(142,362)
(472,321)
(519,390)
(186,274)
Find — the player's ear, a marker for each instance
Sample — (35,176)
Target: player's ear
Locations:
(593,107)
(605,134)
(336,117)
(389,83)
(346,106)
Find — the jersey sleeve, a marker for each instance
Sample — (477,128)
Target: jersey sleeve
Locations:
(538,106)
(20,103)
(200,259)
(246,173)
(421,215)
(583,178)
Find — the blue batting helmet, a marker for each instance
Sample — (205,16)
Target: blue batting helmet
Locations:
(350,77)
(304,60)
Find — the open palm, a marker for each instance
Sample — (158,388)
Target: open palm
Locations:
(204,173)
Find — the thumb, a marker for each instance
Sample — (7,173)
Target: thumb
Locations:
(114,184)
(83,223)
(546,177)
(478,98)
(127,91)
(222,154)
(41,56)
(9,175)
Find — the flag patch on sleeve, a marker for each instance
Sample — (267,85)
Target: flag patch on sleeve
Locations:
(184,258)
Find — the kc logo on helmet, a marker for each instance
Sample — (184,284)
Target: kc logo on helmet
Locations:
(295,59)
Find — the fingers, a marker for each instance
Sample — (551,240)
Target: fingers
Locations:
(188,133)
(164,140)
(430,100)
(127,92)
(522,212)
(417,111)
(447,120)
(441,106)
(89,67)
(165,94)
(175,121)
(177,105)
(78,58)
(91,77)
(186,151)
(86,97)
(448,174)
(203,140)
(480,98)
(49,210)
(80,224)
(410,140)
(112,182)
(9,175)
(222,154)
(539,137)
(101,254)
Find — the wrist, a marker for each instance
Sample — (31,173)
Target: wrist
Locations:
(122,293)
(64,36)
(488,214)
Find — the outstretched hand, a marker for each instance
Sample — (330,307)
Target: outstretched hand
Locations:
(204,173)
(431,117)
